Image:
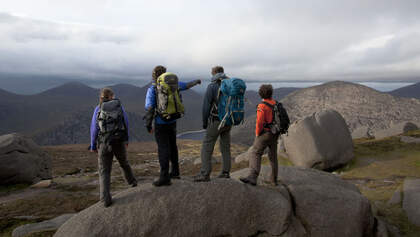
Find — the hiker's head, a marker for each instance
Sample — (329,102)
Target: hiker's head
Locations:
(106,95)
(266,91)
(217,69)
(157,71)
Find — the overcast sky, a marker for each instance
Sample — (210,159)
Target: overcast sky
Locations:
(256,40)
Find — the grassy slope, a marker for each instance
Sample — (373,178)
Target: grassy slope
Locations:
(379,169)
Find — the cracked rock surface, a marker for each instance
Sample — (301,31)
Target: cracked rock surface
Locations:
(221,207)
(22,161)
(325,204)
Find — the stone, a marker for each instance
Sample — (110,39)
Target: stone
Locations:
(328,205)
(320,141)
(396,197)
(411,201)
(22,161)
(198,161)
(409,126)
(407,139)
(49,225)
(244,156)
(185,208)
(42,184)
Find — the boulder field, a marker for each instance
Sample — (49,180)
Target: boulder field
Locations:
(307,203)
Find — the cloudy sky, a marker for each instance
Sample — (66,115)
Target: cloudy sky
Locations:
(257,40)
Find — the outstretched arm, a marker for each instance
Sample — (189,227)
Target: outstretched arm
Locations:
(187,85)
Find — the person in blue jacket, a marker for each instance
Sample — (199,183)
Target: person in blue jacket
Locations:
(111,138)
(165,131)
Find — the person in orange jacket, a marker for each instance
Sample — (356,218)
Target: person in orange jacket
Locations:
(263,138)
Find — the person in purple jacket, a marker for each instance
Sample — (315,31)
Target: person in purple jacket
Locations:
(109,135)
(165,131)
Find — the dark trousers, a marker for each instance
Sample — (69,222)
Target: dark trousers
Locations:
(106,154)
(165,135)
(267,139)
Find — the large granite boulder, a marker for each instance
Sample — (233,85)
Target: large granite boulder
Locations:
(321,141)
(327,205)
(411,201)
(217,208)
(22,161)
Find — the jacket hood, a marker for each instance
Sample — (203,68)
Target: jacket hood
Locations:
(218,76)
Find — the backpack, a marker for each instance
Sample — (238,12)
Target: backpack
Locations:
(111,122)
(231,102)
(281,120)
(169,101)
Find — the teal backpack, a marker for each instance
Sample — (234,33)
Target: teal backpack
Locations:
(231,102)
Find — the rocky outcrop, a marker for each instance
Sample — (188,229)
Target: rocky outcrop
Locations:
(320,141)
(48,225)
(22,161)
(326,204)
(190,209)
(360,106)
(411,201)
(365,110)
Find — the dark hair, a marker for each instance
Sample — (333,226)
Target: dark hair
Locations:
(157,71)
(266,91)
(217,69)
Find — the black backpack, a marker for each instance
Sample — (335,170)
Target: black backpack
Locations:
(281,120)
(111,123)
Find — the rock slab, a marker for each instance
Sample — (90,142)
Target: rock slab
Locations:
(217,208)
(22,161)
(327,205)
(321,141)
(411,201)
(48,225)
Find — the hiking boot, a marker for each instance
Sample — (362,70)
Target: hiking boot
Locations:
(174,176)
(162,182)
(248,181)
(202,178)
(107,203)
(224,175)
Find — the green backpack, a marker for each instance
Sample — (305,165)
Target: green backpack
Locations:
(169,101)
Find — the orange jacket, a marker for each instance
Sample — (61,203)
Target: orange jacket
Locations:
(264,116)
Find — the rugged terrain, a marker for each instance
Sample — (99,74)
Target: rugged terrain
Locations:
(378,170)
(363,108)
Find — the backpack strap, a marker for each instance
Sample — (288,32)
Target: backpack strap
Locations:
(267,125)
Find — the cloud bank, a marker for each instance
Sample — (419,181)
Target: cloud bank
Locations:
(257,40)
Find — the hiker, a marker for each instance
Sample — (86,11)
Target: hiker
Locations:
(164,106)
(272,120)
(109,131)
(218,125)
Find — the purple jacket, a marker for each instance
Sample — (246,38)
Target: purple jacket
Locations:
(94,127)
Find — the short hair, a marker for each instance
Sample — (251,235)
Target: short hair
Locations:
(217,69)
(106,94)
(157,71)
(266,91)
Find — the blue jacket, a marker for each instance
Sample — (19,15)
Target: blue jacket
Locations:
(151,101)
(211,96)
(94,127)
